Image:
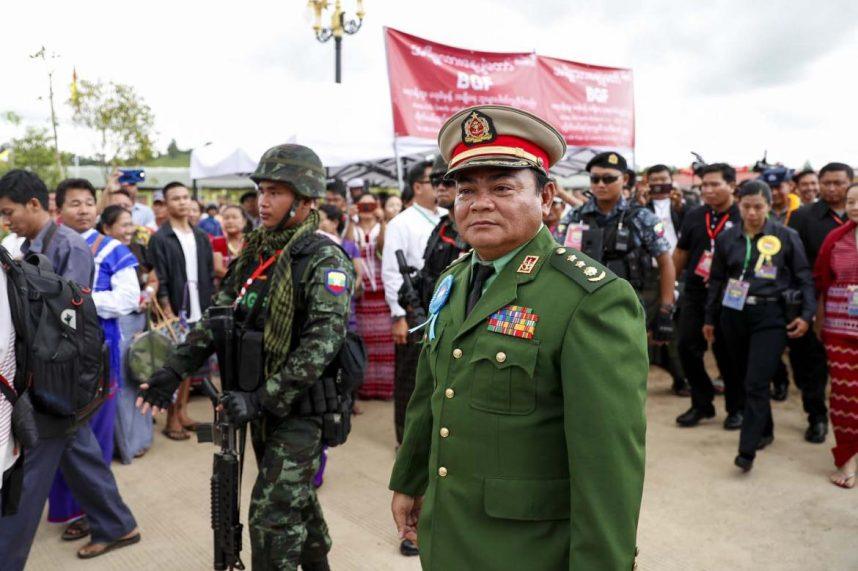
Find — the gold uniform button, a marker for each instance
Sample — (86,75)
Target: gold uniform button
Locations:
(560,250)
(457,353)
(500,357)
(449,393)
(442,471)
(445,432)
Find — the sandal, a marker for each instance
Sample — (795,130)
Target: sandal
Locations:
(180,434)
(84,553)
(77,529)
(191,427)
(845,478)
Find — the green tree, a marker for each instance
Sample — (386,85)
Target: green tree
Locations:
(120,117)
(34,151)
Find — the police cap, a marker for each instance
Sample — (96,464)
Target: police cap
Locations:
(609,160)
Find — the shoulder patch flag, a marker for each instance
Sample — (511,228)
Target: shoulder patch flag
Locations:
(336,282)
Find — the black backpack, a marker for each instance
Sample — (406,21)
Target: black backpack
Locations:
(66,362)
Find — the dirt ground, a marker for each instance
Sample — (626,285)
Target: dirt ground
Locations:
(699,512)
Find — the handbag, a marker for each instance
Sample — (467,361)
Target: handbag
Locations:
(150,349)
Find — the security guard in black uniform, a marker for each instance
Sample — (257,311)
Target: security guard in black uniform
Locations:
(762,283)
(626,238)
(444,245)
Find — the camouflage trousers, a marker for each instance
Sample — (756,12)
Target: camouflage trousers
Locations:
(287,528)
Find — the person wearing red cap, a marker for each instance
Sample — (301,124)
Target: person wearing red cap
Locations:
(524,438)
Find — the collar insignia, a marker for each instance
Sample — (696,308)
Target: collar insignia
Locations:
(527,264)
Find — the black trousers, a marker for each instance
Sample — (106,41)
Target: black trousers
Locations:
(810,369)
(692,347)
(405,374)
(758,330)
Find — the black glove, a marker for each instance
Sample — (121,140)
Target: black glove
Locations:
(662,325)
(242,407)
(162,384)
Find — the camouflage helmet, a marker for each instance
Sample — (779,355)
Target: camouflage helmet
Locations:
(296,165)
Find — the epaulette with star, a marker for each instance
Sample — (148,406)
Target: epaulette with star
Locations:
(584,271)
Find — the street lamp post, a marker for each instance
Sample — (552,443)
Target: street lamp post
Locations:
(338,27)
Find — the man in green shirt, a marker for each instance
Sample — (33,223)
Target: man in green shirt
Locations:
(524,438)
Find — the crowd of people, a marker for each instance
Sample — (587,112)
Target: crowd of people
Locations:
(752,269)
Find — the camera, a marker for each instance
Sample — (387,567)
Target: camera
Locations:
(132,176)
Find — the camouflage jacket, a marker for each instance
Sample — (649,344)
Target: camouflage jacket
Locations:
(648,230)
(323,308)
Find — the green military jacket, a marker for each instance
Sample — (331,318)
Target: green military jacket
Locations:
(529,448)
(325,304)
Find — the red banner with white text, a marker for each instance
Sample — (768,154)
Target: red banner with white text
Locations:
(592,106)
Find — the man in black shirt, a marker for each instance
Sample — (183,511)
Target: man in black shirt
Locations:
(694,251)
(813,222)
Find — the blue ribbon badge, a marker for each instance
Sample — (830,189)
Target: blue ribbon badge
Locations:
(439,298)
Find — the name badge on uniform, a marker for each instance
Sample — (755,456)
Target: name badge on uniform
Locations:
(766,271)
(575,235)
(852,301)
(704,265)
(735,294)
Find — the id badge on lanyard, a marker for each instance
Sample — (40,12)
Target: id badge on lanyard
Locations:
(736,292)
(704,265)
(574,235)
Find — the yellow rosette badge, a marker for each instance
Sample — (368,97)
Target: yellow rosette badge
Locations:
(768,246)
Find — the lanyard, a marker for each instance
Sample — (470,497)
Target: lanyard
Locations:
(257,273)
(747,257)
(426,216)
(720,226)
(837,219)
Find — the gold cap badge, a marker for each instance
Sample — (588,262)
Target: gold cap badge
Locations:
(612,158)
(477,128)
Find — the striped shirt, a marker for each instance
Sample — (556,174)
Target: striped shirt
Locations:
(8,455)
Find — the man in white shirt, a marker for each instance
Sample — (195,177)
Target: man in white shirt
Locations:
(408,231)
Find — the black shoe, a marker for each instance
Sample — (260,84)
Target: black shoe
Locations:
(316,565)
(408,549)
(680,388)
(780,393)
(693,416)
(765,441)
(816,432)
(734,421)
(744,463)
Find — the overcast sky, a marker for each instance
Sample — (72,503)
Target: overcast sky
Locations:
(728,79)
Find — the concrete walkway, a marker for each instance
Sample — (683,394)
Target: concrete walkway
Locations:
(699,513)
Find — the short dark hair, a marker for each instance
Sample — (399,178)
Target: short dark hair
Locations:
(838,167)
(246,195)
(800,175)
(170,186)
(755,188)
(333,213)
(336,185)
(659,168)
(123,192)
(728,173)
(541,179)
(211,206)
(417,172)
(109,217)
(77,183)
(21,186)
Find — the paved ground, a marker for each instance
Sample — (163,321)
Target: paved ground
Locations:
(699,512)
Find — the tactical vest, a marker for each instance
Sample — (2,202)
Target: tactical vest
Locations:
(614,246)
(443,247)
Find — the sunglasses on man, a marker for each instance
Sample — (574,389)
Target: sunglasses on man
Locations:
(606,178)
(441,180)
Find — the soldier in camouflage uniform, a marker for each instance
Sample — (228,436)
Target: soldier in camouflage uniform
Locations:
(287,528)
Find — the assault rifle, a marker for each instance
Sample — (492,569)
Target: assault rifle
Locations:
(226,469)
(408,294)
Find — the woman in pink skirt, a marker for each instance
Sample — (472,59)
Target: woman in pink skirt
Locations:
(373,314)
(836,274)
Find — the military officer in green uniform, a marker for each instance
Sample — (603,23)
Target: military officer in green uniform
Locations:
(300,326)
(524,438)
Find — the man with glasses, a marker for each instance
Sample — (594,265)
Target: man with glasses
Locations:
(444,245)
(813,222)
(409,231)
(626,238)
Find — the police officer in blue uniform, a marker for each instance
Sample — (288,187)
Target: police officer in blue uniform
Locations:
(625,237)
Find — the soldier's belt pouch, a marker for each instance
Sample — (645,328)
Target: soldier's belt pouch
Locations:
(251,360)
